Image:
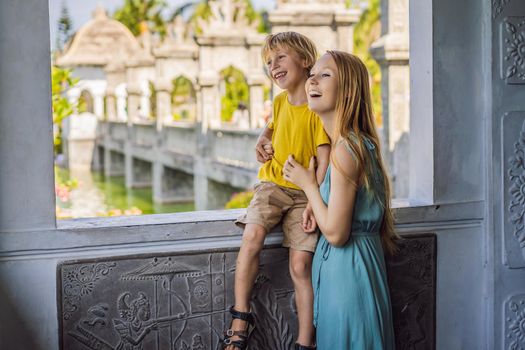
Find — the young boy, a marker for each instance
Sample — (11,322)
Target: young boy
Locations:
(294,130)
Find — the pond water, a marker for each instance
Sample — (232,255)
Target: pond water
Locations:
(82,193)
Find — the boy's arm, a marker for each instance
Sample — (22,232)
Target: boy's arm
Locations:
(263,148)
(323,159)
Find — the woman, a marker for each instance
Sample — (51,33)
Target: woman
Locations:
(352,207)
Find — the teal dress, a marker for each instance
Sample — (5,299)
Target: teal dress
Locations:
(352,309)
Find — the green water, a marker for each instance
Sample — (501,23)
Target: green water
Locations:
(95,194)
(118,196)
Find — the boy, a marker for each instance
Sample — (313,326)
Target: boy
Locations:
(294,130)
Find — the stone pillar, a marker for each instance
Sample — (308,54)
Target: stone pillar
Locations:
(256,79)
(134,95)
(209,100)
(122,97)
(171,186)
(163,103)
(255,82)
(328,24)
(98,104)
(27,200)
(111,105)
(344,23)
(391,52)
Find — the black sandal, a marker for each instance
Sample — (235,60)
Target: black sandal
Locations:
(244,335)
(303,347)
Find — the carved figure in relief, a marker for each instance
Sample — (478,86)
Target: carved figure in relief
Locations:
(289,57)
(133,327)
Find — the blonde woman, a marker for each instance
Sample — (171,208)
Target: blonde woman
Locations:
(352,307)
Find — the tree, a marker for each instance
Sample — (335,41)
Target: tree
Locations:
(236,92)
(202,10)
(65,26)
(366,31)
(61,81)
(135,14)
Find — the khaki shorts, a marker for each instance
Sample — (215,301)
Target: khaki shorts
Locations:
(270,204)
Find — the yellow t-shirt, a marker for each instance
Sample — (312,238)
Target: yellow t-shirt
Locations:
(296,130)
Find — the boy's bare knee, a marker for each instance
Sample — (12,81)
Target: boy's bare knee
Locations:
(253,237)
(300,269)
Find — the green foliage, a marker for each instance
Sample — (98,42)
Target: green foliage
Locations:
(235,92)
(183,99)
(135,14)
(203,11)
(239,200)
(366,32)
(65,26)
(152,101)
(61,81)
(182,92)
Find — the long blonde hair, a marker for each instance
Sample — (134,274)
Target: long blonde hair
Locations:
(354,122)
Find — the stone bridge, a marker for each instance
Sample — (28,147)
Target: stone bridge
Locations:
(181,162)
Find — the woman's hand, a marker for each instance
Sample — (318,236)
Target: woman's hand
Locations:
(309,223)
(298,175)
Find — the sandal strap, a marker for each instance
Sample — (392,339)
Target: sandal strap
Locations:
(245,316)
(240,344)
(232,333)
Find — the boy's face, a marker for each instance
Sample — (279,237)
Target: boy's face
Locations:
(286,68)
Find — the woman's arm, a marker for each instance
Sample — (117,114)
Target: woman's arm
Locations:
(334,220)
(309,223)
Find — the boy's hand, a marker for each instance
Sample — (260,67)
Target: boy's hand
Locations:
(309,224)
(264,149)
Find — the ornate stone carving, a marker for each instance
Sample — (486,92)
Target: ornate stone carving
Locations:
(226,16)
(79,282)
(99,42)
(514,188)
(412,280)
(515,323)
(176,302)
(498,6)
(180,301)
(513,50)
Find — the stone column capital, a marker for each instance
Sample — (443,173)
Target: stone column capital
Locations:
(134,89)
(163,85)
(256,78)
(208,78)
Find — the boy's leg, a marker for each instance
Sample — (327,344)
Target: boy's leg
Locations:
(248,265)
(245,273)
(301,272)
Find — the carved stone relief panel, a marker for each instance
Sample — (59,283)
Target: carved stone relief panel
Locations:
(498,6)
(180,301)
(513,50)
(514,189)
(412,280)
(170,302)
(515,322)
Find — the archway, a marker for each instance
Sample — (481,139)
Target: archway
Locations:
(235,95)
(183,99)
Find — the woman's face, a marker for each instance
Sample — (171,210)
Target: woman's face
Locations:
(321,86)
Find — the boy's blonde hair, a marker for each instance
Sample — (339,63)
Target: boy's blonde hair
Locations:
(294,41)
